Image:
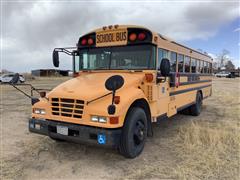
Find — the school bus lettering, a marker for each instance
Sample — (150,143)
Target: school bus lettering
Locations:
(123,82)
(111,38)
(121,36)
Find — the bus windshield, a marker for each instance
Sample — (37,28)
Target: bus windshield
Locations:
(133,57)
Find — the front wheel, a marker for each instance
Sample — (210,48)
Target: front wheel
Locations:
(134,133)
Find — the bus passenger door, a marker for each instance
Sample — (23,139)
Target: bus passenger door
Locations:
(163,96)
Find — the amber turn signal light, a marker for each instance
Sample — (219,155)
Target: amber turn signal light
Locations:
(116,99)
(113,120)
(149,77)
(42,94)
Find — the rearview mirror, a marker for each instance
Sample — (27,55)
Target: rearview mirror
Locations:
(15,79)
(165,67)
(55,58)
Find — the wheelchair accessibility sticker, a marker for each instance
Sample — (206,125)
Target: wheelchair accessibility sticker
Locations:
(101,139)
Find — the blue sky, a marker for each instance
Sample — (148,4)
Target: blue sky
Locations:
(225,38)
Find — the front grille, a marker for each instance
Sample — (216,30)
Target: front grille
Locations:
(67,107)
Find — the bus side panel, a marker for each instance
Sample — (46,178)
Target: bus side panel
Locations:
(185,99)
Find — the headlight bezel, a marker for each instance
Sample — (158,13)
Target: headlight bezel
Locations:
(99,119)
(39,111)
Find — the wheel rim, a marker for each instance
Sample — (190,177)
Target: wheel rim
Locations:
(139,133)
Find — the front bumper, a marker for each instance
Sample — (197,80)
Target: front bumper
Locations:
(76,133)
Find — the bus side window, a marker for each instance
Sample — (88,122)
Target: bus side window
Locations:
(180,63)
(205,67)
(162,54)
(187,64)
(173,62)
(193,65)
(197,65)
(201,66)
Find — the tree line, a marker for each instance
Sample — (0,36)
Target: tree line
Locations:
(223,61)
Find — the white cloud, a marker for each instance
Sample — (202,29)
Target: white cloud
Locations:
(214,56)
(236,30)
(32,30)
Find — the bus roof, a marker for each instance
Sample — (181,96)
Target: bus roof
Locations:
(162,42)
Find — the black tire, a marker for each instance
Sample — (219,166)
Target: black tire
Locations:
(196,109)
(134,133)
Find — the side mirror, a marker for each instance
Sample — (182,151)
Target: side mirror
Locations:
(112,84)
(165,67)
(55,58)
(15,79)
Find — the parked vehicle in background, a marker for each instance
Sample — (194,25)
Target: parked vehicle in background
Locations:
(231,75)
(223,74)
(6,78)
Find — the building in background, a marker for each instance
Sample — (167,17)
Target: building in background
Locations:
(49,72)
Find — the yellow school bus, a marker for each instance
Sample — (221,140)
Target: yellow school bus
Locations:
(125,79)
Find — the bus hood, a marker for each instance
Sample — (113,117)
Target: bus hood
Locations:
(92,85)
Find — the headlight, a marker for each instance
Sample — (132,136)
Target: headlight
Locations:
(39,111)
(100,119)
(94,118)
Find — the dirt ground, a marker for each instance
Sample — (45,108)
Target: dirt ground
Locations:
(183,147)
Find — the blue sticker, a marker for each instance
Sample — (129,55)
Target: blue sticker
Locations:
(101,139)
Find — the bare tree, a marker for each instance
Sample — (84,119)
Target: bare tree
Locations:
(223,60)
(229,65)
(223,57)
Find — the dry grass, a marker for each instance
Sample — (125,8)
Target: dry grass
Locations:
(28,76)
(183,147)
(209,148)
(208,151)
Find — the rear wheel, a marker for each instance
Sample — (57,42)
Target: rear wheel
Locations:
(196,109)
(134,133)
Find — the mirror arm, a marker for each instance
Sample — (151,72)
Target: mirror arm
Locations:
(160,79)
(20,90)
(113,96)
(32,89)
(64,50)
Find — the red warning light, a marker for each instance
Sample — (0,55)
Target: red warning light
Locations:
(141,36)
(83,42)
